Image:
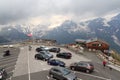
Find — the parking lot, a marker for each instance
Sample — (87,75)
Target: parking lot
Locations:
(9,62)
(28,68)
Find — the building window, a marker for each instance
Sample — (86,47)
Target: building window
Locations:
(94,45)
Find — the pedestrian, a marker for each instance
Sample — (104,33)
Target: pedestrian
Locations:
(30,47)
(104,63)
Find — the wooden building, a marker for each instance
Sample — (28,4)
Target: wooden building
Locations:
(97,44)
(81,42)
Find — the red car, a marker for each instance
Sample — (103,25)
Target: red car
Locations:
(82,66)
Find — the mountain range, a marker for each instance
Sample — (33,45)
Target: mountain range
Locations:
(68,31)
(107,30)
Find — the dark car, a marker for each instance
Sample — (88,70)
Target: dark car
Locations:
(3,74)
(42,57)
(6,53)
(82,66)
(39,49)
(46,53)
(57,50)
(66,55)
(61,73)
(42,48)
(56,62)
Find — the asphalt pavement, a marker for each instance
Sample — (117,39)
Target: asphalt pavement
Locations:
(25,67)
(9,62)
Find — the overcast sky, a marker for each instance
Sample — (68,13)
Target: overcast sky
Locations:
(54,11)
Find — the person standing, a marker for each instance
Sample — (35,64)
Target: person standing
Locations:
(104,63)
(30,47)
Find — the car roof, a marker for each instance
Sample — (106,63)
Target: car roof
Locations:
(58,68)
(42,51)
(56,60)
(64,52)
(85,62)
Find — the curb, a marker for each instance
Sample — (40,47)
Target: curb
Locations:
(114,67)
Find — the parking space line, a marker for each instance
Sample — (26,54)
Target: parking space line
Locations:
(94,76)
(9,67)
(12,60)
(8,64)
(48,77)
(79,79)
(44,69)
(9,72)
(28,66)
(11,57)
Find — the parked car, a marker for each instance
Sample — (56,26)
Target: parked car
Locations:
(57,50)
(3,74)
(42,48)
(46,53)
(42,57)
(82,66)
(6,53)
(62,73)
(66,55)
(56,62)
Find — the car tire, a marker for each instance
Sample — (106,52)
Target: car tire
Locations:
(87,71)
(48,63)
(44,60)
(36,58)
(51,76)
(65,79)
(72,68)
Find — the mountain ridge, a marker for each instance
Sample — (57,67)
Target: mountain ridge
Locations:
(69,30)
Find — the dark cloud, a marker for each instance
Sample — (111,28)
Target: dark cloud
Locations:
(15,10)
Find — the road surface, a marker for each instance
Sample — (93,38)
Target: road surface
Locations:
(25,67)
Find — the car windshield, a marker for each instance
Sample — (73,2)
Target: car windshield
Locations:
(58,61)
(44,52)
(44,55)
(66,71)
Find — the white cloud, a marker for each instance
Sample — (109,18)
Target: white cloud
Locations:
(45,11)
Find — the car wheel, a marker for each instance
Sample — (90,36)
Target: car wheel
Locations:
(48,63)
(87,71)
(72,68)
(36,57)
(65,79)
(51,76)
(44,60)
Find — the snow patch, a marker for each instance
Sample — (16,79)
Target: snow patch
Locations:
(106,23)
(108,18)
(116,40)
(117,30)
(81,28)
(100,29)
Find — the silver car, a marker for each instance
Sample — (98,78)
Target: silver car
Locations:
(46,53)
(62,73)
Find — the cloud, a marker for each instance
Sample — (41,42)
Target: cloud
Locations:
(23,11)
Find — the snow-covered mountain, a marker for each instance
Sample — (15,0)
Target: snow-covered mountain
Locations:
(102,28)
(106,28)
(11,34)
(20,32)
